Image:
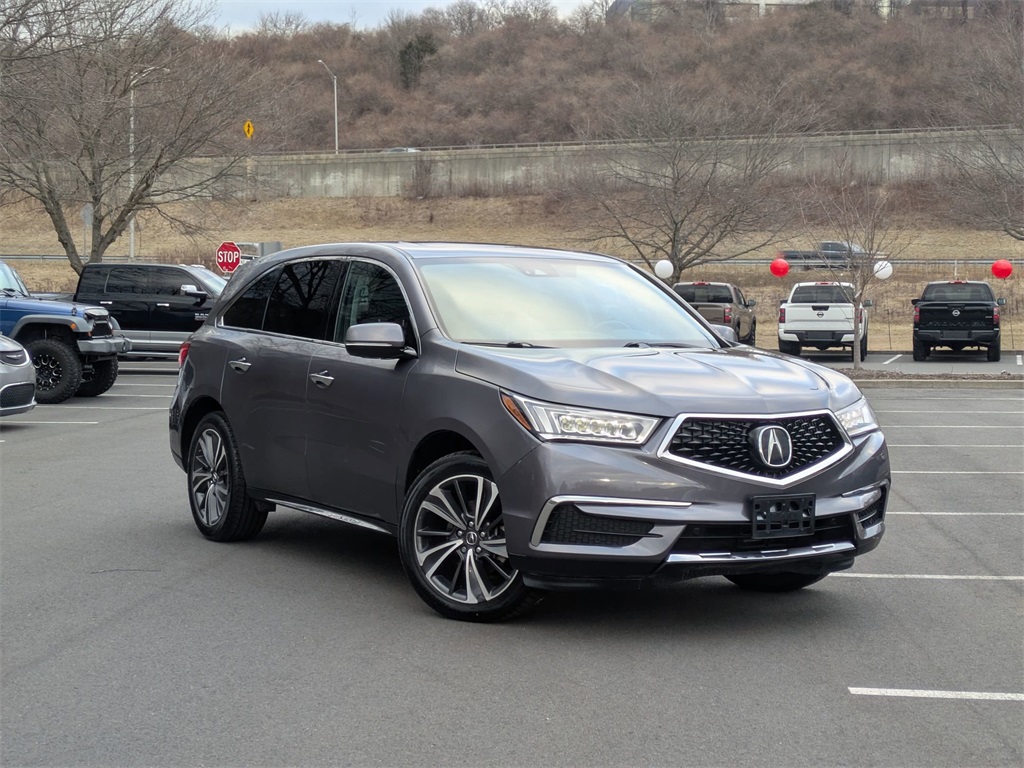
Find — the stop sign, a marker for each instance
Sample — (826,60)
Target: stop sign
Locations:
(228,257)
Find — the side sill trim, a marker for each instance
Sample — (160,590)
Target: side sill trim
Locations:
(329,514)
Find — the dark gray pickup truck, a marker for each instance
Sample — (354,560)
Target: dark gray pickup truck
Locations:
(957,314)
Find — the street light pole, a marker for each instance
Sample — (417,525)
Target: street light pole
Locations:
(334,77)
(131,169)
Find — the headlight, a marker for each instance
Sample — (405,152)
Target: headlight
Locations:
(857,418)
(562,422)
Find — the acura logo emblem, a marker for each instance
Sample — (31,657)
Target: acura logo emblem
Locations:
(773,445)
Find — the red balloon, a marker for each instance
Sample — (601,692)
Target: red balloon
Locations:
(1002,268)
(780,267)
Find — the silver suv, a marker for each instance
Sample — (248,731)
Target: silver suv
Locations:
(522,420)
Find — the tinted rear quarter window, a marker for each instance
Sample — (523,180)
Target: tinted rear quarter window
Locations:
(301,300)
(93,280)
(247,310)
(133,280)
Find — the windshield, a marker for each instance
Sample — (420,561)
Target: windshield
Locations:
(214,281)
(554,303)
(9,281)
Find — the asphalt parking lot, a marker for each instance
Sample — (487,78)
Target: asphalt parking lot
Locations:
(128,639)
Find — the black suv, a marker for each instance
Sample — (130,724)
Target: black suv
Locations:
(521,419)
(157,306)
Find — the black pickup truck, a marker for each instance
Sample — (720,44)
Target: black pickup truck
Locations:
(957,314)
(157,306)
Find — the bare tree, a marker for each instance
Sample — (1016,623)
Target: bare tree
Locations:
(691,179)
(857,209)
(984,169)
(122,124)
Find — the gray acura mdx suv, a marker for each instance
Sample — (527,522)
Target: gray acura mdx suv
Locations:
(522,419)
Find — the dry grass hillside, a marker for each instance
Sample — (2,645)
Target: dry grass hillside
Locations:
(524,220)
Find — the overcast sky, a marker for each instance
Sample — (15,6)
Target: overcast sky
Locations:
(366,14)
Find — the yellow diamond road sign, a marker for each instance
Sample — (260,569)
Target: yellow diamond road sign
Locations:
(249,129)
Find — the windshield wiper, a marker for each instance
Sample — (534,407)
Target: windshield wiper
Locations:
(646,344)
(513,344)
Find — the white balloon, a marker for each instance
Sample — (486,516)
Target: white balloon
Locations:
(883,270)
(663,269)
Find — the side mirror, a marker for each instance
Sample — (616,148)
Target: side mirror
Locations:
(751,302)
(1001,302)
(377,341)
(914,301)
(726,332)
(868,303)
(191,290)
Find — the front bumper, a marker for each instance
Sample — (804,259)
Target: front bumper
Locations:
(580,516)
(104,347)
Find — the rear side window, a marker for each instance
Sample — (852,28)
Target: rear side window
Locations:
(248,310)
(301,300)
(92,280)
(134,280)
(168,281)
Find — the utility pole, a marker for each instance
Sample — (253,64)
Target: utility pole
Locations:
(334,77)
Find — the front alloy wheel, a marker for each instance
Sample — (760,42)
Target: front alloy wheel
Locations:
(452,543)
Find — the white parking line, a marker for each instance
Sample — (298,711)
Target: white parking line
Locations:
(892,359)
(117,394)
(132,384)
(920,694)
(959,514)
(65,406)
(51,422)
(951,445)
(925,576)
(1020,359)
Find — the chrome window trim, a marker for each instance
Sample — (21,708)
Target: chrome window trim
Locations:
(782,482)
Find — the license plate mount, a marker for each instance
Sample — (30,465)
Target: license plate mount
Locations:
(777,517)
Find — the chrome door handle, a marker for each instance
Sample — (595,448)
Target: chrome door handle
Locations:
(106,303)
(322,379)
(240,365)
(162,305)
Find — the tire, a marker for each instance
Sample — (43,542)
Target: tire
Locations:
(58,370)
(439,541)
(751,339)
(789,348)
(920,351)
(994,352)
(775,582)
(221,506)
(99,380)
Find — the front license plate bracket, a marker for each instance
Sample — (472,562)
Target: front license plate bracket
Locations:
(776,517)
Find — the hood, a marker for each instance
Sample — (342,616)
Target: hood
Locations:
(32,306)
(661,381)
(9,345)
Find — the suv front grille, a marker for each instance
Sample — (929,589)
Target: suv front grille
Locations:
(724,443)
(17,394)
(569,525)
(737,537)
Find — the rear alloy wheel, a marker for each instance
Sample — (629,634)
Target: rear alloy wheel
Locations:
(451,540)
(221,506)
(775,582)
(994,352)
(751,339)
(58,370)
(99,379)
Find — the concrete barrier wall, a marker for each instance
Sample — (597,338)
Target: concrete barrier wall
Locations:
(526,170)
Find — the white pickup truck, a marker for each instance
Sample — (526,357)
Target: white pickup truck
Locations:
(820,315)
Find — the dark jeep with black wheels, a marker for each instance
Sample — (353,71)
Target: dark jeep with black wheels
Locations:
(74,347)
